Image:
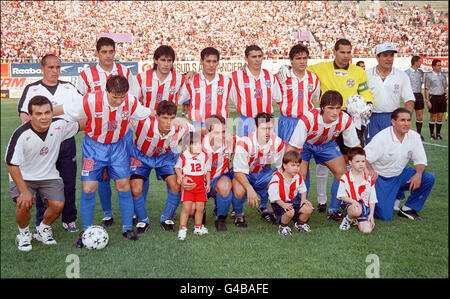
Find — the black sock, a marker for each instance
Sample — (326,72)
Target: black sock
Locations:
(431,125)
(438,128)
(419,126)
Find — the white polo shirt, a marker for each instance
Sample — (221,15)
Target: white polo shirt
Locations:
(387,93)
(36,153)
(388,156)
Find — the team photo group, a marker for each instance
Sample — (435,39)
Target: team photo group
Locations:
(356,124)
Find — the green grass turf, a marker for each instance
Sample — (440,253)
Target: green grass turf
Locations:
(405,249)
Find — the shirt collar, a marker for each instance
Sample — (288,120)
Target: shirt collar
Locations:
(247,70)
(202,77)
(339,68)
(394,137)
(305,76)
(101,70)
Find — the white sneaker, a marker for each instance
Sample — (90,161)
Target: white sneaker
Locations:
(23,241)
(302,227)
(284,231)
(346,223)
(397,205)
(45,235)
(182,234)
(200,230)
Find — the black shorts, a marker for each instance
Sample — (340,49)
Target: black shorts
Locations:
(438,104)
(419,104)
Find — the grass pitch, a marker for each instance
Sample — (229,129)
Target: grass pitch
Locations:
(403,248)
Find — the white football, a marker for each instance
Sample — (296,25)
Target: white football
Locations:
(95,237)
(357,107)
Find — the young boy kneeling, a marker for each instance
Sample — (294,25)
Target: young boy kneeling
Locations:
(287,195)
(357,190)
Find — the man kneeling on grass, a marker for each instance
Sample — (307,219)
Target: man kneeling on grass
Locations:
(287,195)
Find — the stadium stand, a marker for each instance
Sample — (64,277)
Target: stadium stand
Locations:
(69,29)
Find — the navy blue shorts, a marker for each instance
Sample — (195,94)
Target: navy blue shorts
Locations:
(365,211)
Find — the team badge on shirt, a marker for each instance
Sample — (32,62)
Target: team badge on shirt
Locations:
(220,90)
(172,89)
(44,151)
(125,114)
(350,82)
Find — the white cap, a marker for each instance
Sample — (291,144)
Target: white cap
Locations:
(386,47)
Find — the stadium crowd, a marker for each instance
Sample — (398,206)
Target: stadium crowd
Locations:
(31,29)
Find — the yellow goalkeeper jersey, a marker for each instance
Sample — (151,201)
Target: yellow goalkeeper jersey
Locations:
(348,82)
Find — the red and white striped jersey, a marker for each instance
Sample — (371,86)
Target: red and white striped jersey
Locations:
(253,95)
(93,79)
(250,157)
(364,192)
(152,91)
(207,98)
(106,124)
(280,188)
(194,165)
(313,130)
(298,95)
(149,140)
(220,158)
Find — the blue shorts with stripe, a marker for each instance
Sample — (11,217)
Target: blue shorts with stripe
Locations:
(141,164)
(321,152)
(96,156)
(286,127)
(365,211)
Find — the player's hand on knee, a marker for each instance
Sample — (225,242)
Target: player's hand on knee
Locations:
(25,200)
(252,198)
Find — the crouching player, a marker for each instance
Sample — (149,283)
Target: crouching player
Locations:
(220,146)
(195,164)
(357,190)
(254,155)
(287,195)
(155,147)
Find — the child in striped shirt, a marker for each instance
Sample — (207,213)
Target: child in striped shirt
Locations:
(357,190)
(287,195)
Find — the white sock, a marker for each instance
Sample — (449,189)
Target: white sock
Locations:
(22,230)
(321,183)
(405,208)
(42,226)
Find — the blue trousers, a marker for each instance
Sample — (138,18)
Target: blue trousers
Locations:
(387,189)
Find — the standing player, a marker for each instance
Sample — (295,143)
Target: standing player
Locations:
(251,166)
(299,89)
(436,93)
(216,145)
(161,82)
(105,146)
(208,91)
(316,136)
(31,158)
(155,147)
(416,77)
(58,92)
(348,80)
(93,79)
(253,90)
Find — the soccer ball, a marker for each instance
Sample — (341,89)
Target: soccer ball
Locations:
(95,237)
(356,105)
